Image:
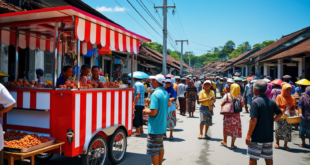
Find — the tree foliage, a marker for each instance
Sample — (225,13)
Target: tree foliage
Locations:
(221,53)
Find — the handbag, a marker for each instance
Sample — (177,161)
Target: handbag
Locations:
(228,107)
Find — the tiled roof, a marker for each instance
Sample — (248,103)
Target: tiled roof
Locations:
(8,8)
(275,44)
(300,48)
(240,59)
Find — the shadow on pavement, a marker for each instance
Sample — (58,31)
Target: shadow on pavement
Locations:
(192,117)
(174,140)
(178,130)
(213,139)
(239,150)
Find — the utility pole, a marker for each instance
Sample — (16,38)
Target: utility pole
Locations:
(165,11)
(189,63)
(181,63)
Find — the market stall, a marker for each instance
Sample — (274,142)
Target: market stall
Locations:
(93,119)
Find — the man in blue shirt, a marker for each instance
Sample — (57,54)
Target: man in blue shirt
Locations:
(66,75)
(139,105)
(157,123)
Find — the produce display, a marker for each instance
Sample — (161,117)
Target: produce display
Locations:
(90,84)
(24,83)
(68,84)
(12,134)
(26,142)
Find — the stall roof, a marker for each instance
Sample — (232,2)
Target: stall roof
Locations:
(300,48)
(47,16)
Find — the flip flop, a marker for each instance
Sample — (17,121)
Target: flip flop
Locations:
(171,138)
(234,147)
(207,137)
(135,135)
(222,143)
(287,149)
(276,146)
(302,145)
(200,137)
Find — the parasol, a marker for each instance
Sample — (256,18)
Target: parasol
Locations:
(303,82)
(3,74)
(276,82)
(170,75)
(177,77)
(267,80)
(139,75)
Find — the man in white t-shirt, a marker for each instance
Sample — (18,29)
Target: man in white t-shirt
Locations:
(7,102)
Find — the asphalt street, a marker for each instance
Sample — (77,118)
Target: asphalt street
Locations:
(187,149)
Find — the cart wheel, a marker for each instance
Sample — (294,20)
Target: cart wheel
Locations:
(96,152)
(117,146)
(44,157)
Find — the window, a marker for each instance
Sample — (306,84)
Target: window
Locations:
(48,67)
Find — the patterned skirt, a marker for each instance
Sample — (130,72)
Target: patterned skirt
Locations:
(283,130)
(191,105)
(304,131)
(205,116)
(232,125)
(172,120)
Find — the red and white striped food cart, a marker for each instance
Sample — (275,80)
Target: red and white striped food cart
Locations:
(94,123)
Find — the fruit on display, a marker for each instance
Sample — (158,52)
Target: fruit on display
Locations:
(69,84)
(26,142)
(12,134)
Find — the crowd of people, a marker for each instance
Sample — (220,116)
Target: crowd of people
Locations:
(266,102)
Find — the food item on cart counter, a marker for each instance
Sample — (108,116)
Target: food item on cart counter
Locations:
(26,142)
(12,134)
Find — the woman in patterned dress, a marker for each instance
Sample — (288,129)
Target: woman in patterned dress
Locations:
(232,123)
(304,109)
(191,96)
(286,103)
(172,120)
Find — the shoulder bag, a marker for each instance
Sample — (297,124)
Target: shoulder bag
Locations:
(228,107)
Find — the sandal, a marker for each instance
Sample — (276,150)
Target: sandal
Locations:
(207,137)
(171,138)
(200,137)
(234,147)
(286,148)
(135,135)
(302,145)
(276,146)
(223,143)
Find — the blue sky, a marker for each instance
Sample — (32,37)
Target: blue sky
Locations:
(212,22)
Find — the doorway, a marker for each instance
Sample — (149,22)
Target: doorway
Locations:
(107,67)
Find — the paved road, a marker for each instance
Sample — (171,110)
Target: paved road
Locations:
(188,150)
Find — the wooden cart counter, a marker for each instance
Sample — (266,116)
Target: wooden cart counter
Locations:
(12,156)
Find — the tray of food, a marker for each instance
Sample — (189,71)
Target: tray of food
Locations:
(27,143)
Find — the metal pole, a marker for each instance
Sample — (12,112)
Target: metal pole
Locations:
(16,54)
(164,71)
(78,52)
(165,10)
(131,82)
(55,55)
(189,64)
(181,62)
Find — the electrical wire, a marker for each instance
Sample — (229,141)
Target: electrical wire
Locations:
(143,17)
(135,20)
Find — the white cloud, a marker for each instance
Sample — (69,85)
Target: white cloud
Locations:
(110,9)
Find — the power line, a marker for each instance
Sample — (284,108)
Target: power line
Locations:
(201,44)
(135,19)
(143,17)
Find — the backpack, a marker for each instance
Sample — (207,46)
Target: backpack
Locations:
(237,105)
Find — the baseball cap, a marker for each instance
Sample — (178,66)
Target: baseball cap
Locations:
(159,78)
(101,73)
(207,81)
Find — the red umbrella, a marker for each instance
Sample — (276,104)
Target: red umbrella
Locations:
(170,75)
(276,82)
